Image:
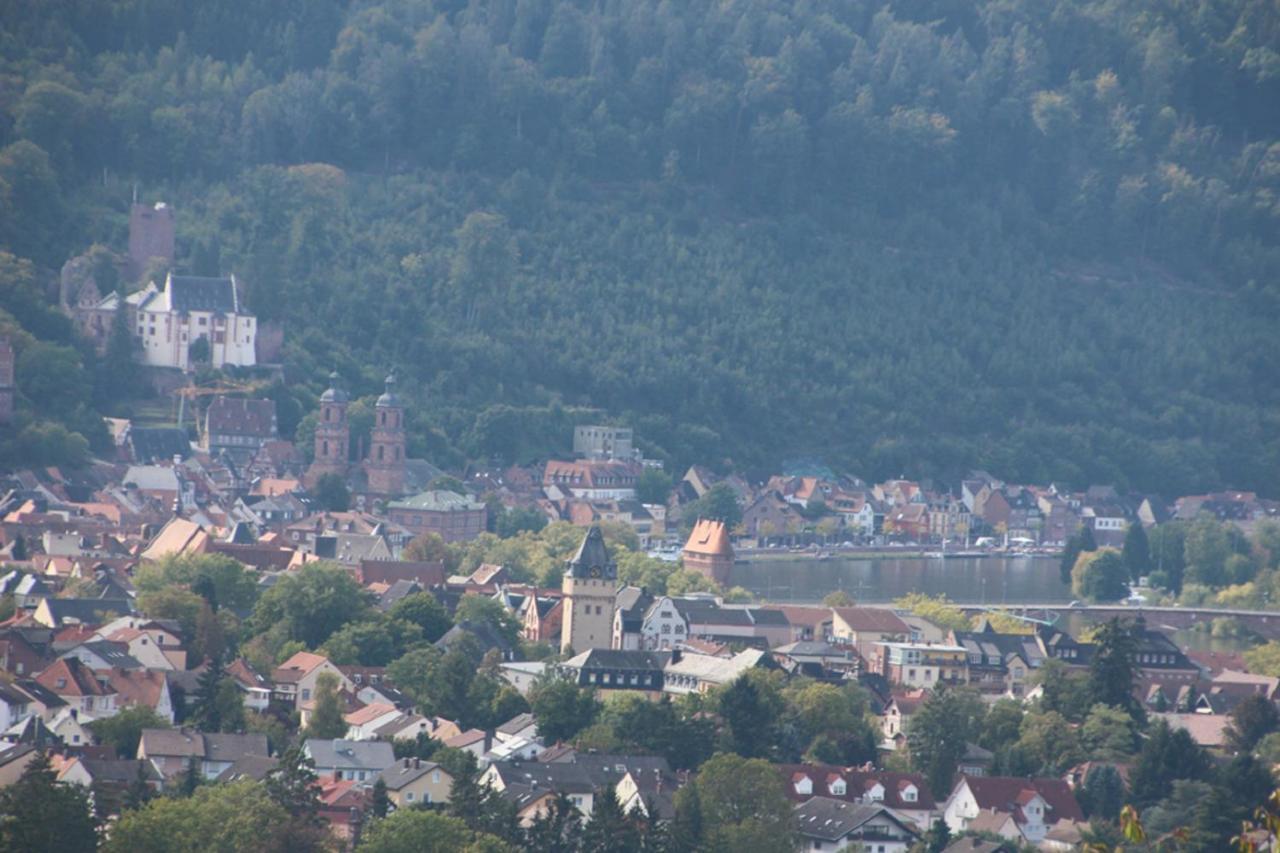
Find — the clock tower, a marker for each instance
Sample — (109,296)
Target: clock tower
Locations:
(590,594)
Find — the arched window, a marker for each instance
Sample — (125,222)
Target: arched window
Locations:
(325,450)
(379,452)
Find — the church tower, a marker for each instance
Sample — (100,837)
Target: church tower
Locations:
(590,592)
(385,465)
(333,434)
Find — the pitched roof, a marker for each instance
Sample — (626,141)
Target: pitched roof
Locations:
(178,536)
(437,500)
(709,538)
(368,754)
(298,666)
(201,293)
(831,820)
(876,619)
(241,416)
(1009,793)
(409,770)
(592,551)
(70,677)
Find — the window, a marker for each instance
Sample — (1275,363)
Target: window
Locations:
(435,776)
(409,796)
(306,693)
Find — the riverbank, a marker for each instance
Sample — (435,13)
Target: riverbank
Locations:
(823,555)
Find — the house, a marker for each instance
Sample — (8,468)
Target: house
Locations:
(616,669)
(108,780)
(56,612)
(178,536)
(907,794)
(173,750)
(1015,808)
(101,654)
(143,687)
(663,625)
(771,515)
(866,626)
(256,688)
(519,727)
(359,761)
(295,679)
(577,775)
(454,517)
(521,675)
(167,322)
(1000,664)
(411,781)
(78,686)
(238,426)
(923,664)
(690,672)
(902,704)
(807,623)
(630,608)
(150,643)
(363,723)
(827,824)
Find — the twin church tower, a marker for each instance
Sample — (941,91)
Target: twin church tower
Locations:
(383,470)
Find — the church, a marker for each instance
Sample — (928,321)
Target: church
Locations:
(386,471)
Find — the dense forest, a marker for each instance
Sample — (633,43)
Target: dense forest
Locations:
(1040,238)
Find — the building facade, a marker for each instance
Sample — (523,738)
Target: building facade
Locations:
(455,517)
(169,322)
(590,589)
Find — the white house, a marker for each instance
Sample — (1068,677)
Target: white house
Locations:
(1012,807)
(168,321)
(664,625)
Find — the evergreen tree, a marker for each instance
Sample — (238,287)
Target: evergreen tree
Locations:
(1103,792)
(38,813)
(938,837)
(293,786)
(555,830)
(1251,721)
(19,548)
(609,830)
(139,792)
(190,778)
(1166,756)
(326,720)
(655,833)
(1137,551)
(750,717)
(1069,556)
(207,713)
(1114,666)
(379,803)
(1087,542)
(688,828)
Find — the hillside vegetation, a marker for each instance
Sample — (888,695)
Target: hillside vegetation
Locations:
(919,237)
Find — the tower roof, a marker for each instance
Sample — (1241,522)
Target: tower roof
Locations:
(592,556)
(334,394)
(709,537)
(389,396)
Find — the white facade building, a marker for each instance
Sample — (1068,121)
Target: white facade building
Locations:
(167,321)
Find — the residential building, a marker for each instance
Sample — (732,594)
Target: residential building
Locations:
(603,442)
(907,794)
(455,517)
(1019,809)
(828,824)
(239,426)
(173,750)
(359,761)
(295,679)
(412,781)
(167,322)
(592,480)
(614,669)
(923,664)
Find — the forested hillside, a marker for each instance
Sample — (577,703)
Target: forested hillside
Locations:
(1040,238)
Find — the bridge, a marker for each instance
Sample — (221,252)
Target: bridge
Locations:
(1263,622)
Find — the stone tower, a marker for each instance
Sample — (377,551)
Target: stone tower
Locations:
(151,235)
(333,434)
(590,592)
(709,552)
(385,465)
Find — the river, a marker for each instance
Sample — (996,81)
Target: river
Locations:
(968,580)
(965,580)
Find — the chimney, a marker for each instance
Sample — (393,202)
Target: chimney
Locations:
(406,764)
(417,763)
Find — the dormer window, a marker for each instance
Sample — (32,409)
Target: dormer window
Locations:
(804,786)
(909,794)
(838,788)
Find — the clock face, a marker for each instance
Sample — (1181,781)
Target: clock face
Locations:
(595,571)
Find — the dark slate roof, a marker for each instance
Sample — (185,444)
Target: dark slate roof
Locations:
(831,820)
(88,611)
(582,773)
(199,293)
(369,754)
(239,416)
(616,659)
(151,443)
(592,553)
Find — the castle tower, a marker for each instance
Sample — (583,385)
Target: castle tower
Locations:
(385,465)
(709,552)
(333,434)
(590,593)
(151,235)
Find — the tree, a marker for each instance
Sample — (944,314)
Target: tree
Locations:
(556,829)
(38,813)
(1087,543)
(1166,756)
(139,792)
(1102,793)
(750,708)
(190,779)
(207,714)
(719,503)
(234,816)
(939,734)
(1109,734)
(1100,576)
(1113,667)
(609,830)
(1136,552)
(424,610)
(1264,659)
(124,729)
(838,598)
(414,831)
(326,718)
(331,493)
(311,604)
(938,837)
(743,805)
(1050,742)
(562,709)
(379,802)
(654,486)
(1251,721)
(478,608)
